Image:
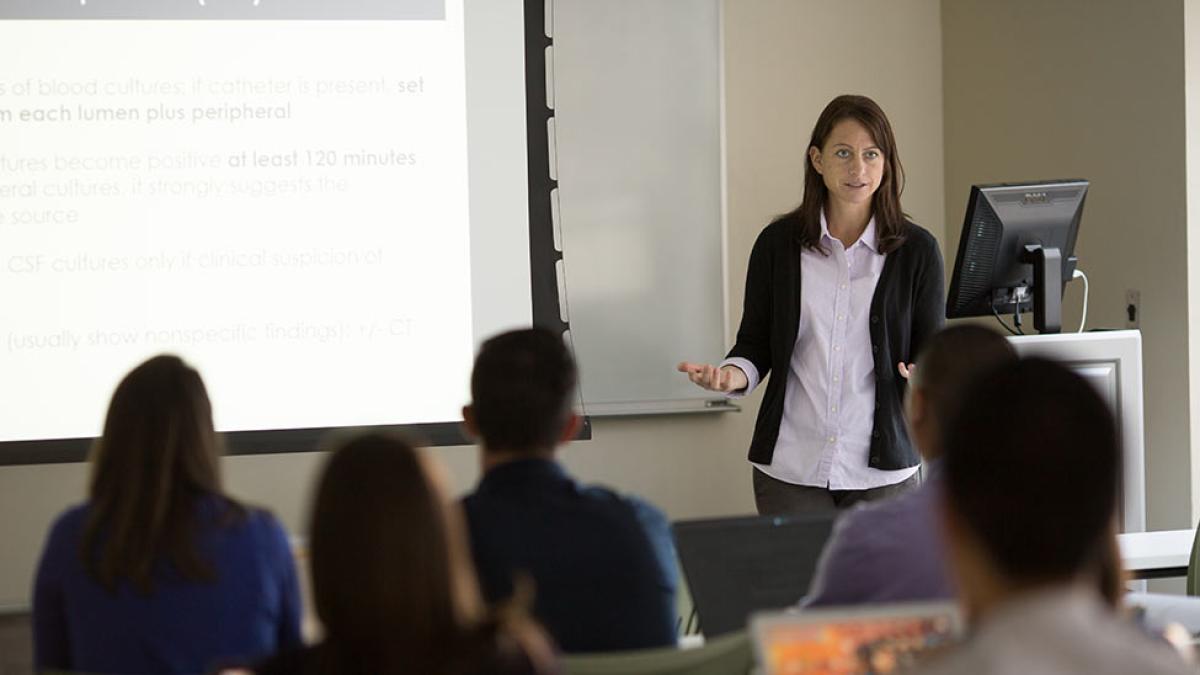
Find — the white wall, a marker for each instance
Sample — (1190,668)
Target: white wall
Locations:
(784,61)
(1090,89)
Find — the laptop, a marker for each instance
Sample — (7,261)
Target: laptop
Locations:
(854,641)
(738,566)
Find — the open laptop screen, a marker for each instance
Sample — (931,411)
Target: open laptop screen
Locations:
(738,566)
(850,641)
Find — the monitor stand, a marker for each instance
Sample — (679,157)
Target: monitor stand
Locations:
(1047,287)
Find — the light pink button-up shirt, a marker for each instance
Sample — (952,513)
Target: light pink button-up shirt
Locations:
(829,402)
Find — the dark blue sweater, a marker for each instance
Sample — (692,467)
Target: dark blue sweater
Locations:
(603,565)
(250,611)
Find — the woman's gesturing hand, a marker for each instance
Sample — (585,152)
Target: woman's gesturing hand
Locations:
(712,378)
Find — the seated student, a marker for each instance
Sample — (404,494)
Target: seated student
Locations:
(392,579)
(1032,472)
(160,571)
(602,565)
(891,550)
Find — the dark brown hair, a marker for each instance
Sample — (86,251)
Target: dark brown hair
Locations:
(950,362)
(1032,469)
(521,390)
(159,453)
(890,219)
(393,581)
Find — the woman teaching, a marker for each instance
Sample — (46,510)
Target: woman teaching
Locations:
(841,294)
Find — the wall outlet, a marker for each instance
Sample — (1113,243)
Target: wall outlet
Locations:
(1133,308)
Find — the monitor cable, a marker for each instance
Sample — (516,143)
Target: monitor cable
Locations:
(1006,326)
(1080,275)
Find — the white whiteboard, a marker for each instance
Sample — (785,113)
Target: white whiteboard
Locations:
(636,90)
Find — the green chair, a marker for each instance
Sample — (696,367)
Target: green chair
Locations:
(727,655)
(1193,577)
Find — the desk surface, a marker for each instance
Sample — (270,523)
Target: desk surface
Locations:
(1162,550)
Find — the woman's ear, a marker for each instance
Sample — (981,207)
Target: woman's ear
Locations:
(814,156)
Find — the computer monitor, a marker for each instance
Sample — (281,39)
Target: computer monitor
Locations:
(1017,251)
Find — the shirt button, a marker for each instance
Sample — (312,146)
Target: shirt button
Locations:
(875,459)
(837,348)
(836,378)
(833,409)
(875,348)
(833,439)
(843,286)
(841,317)
(875,319)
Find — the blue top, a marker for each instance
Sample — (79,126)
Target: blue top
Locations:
(886,551)
(603,565)
(251,610)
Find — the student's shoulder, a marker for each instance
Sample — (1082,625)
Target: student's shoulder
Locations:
(263,523)
(248,522)
(69,524)
(261,518)
(72,517)
(474,508)
(606,499)
(863,523)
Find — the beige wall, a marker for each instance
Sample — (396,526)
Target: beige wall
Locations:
(1090,89)
(784,61)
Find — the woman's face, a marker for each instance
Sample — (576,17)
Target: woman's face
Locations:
(851,163)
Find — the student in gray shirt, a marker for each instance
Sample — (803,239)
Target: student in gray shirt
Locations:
(891,551)
(1028,505)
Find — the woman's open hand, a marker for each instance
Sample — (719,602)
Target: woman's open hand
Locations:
(712,378)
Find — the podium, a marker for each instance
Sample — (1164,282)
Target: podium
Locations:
(1112,362)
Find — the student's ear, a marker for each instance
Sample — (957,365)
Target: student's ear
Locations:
(571,428)
(469,426)
(814,156)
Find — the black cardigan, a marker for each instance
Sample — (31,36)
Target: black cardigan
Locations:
(908,307)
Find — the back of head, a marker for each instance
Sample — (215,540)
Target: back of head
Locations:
(157,455)
(1032,470)
(954,358)
(392,581)
(521,389)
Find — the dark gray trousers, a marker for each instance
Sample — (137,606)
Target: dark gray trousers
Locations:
(776,498)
